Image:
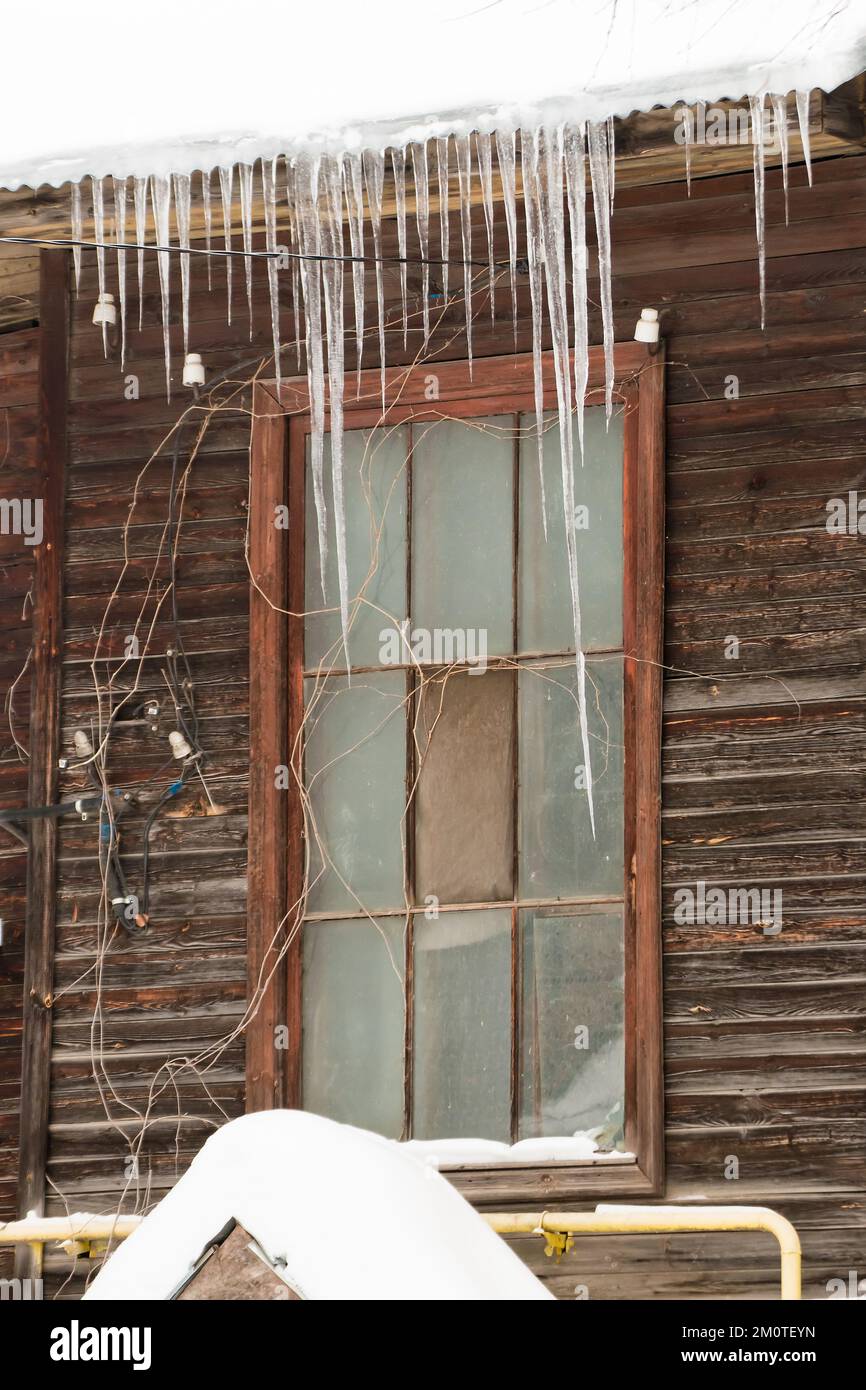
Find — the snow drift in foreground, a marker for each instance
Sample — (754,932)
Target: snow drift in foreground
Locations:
(354,1216)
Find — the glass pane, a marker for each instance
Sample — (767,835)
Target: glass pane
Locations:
(571,1037)
(355,761)
(353,1022)
(462,1026)
(558,855)
(462,530)
(374,473)
(464,808)
(545,602)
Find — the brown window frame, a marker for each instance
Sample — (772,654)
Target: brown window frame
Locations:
(280,424)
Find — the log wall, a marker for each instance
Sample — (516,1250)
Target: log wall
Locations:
(764,756)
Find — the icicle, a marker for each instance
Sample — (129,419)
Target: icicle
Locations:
(332,269)
(245,178)
(575,171)
(506,153)
(552,230)
(485,173)
(294,242)
(374,177)
(599,169)
(307,192)
(207,209)
(398,161)
(99,237)
(611,159)
(803,122)
(226,181)
(139,191)
(688,141)
(119,238)
(464,183)
(181,212)
(756,109)
(422,217)
(529,168)
(353,174)
(75,222)
(442,182)
(780,121)
(269,194)
(160,192)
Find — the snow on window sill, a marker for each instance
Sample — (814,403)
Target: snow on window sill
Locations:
(462,1153)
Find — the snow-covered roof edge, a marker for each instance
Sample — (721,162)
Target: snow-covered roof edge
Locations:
(344,78)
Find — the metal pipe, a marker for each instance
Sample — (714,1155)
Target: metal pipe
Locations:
(80,1226)
(635,1220)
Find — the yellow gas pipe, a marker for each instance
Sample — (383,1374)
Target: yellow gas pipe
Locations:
(560,1226)
(79,1232)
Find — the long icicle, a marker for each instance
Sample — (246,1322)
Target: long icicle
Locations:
(226,181)
(611,159)
(756,110)
(398,162)
(422,217)
(207,209)
(160,191)
(780,121)
(552,230)
(75,221)
(507,155)
(245,181)
(99,237)
(353,175)
(575,180)
(529,169)
(139,198)
(332,267)
(374,177)
(803,122)
(269,195)
(464,183)
(309,230)
(485,173)
(294,243)
(182,195)
(600,170)
(119,239)
(444,228)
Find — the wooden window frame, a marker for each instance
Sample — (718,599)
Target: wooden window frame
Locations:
(499,385)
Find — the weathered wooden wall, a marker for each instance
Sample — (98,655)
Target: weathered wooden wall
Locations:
(18,424)
(765,756)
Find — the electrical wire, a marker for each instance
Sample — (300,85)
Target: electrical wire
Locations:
(68,243)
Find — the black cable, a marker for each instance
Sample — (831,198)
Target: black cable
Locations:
(170,792)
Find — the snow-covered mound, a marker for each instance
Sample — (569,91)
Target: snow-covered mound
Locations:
(353,1215)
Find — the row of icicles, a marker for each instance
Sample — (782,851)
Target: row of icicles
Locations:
(323,194)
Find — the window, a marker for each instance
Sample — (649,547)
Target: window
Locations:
(463,959)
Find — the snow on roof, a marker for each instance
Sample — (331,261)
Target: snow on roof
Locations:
(132,90)
(354,1216)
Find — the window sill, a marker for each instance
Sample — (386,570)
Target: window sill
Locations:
(547,1184)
